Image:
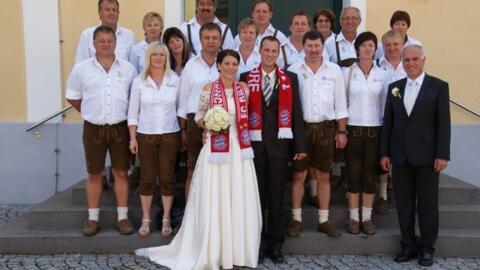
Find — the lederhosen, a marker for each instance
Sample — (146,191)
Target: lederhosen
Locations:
(189,31)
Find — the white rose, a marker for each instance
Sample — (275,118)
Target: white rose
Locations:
(217,119)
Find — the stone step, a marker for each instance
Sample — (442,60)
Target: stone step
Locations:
(17,238)
(451,191)
(60,217)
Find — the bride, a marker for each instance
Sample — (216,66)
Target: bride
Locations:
(222,222)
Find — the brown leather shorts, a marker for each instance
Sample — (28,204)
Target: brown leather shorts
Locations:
(320,147)
(98,139)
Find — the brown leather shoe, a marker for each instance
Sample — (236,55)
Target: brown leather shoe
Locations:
(124,227)
(381,207)
(90,227)
(295,228)
(329,229)
(353,227)
(368,227)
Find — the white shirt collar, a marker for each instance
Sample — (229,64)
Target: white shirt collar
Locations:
(341,37)
(418,80)
(271,74)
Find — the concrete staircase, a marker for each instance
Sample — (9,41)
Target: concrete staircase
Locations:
(54,226)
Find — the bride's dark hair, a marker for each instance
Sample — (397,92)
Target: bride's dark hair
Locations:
(221,55)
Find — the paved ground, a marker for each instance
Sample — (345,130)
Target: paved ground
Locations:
(130,261)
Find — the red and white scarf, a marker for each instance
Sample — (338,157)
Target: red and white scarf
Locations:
(220,143)
(285,97)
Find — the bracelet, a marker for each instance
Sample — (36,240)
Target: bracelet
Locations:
(342,132)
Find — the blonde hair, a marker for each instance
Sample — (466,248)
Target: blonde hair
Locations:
(153,15)
(247,22)
(153,48)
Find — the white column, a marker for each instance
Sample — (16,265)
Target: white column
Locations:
(42,58)
(362,6)
(173,12)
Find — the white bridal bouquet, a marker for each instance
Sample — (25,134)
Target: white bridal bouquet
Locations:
(217,119)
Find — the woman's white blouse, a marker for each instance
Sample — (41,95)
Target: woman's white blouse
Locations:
(366,96)
(154,109)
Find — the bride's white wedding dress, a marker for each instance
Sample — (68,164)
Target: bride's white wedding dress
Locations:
(222,223)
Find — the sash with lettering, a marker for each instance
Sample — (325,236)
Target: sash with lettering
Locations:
(220,143)
(285,97)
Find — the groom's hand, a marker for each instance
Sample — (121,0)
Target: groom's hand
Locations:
(299,156)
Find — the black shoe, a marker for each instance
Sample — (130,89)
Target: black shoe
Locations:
(262,253)
(277,256)
(405,256)
(425,259)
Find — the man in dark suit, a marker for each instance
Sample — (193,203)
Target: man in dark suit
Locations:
(277,134)
(416,141)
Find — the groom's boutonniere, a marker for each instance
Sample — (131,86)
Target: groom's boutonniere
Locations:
(396,92)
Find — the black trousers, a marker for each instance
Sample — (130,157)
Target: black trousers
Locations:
(272,175)
(416,187)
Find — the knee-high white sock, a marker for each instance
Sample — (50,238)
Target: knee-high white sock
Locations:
(313,187)
(122,213)
(93,213)
(382,190)
(366,214)
(297,214)
(354,214)
(322,216)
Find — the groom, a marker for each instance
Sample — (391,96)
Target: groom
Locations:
(277,133)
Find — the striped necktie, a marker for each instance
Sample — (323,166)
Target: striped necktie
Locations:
(267,89)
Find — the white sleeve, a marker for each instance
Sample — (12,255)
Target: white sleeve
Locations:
(229,43)
(74,85)
(185,91)
(82,48)
(134,103)
(341,110)
(133,59)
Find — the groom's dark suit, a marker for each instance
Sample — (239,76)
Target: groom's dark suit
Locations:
(413,143)
(271,162)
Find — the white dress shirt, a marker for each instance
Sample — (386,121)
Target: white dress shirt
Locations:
(394,74)
(196,74)
(125,40)
(252,62)
(195,32)
(104,94)
(154,109)
(137,55)
(346,48)
(322,93)
(366,96)
(412,88)
(293,55)
(268,32)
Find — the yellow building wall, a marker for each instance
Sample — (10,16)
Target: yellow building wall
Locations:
(77,15)
(13,104)
(448,31)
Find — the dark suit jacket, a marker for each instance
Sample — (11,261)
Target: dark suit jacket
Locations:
(275,147)
(424,135)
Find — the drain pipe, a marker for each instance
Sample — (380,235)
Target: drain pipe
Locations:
(57,157)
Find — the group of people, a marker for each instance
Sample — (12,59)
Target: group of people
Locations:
(299,99)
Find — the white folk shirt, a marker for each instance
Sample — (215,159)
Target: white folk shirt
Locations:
(104,94)
(195,32)
(125,40)
(137,55)
(154,109)
(412,88)
(394,74)
(253,61)
(196,74)
(292,54)
(270,31)
(366,96)
(322,93)
(346,48)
